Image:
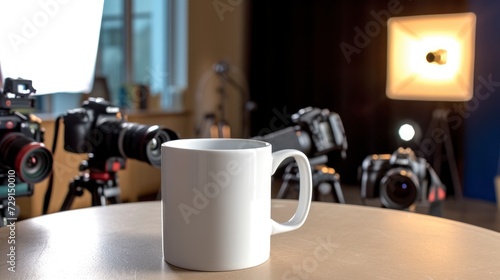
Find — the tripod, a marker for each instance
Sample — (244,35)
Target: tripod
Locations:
(440,123)
(100,180)
(320,174)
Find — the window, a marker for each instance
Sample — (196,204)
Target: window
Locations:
(142,42)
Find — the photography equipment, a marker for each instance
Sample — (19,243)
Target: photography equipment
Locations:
(99,130)
(54,61)
(315,132)
(413,40)
(401,180)
(321,174)
(220,129)
(24,159)
(215,125)
(440,122)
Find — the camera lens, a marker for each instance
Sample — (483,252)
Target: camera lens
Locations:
(31,161)
(143,142)
(399,188)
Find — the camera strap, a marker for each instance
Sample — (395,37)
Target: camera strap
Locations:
(48,192)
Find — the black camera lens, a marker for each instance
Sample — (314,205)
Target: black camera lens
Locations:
(31,161)
(143,142)
(399,189)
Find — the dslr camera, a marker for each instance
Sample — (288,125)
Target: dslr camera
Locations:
(315,132)
(400,180)
(99,129)
(21,149)
(24,159)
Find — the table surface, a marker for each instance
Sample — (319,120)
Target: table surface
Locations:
(336,242)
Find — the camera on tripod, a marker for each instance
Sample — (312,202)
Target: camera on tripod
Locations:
(24,159)
(400,180)
(99,129)
(315,132)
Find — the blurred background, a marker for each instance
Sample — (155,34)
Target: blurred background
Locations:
(282,56)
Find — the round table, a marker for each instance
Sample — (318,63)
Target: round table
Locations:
(337,242)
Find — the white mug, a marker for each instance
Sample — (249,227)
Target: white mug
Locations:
(216,202)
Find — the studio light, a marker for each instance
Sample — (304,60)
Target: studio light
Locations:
(431,58)
(52,43)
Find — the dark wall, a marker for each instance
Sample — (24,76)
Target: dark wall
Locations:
(482,114)
(296,60)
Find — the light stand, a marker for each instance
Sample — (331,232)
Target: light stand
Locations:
(218,127)
(431,58)
(440,122)
(221,129)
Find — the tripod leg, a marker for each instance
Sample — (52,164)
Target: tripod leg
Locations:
(103,200)
(111,194)
(315,192)
(452,164)
(284,187)
(98,198)
(438,152)
(338,192)
(68,200)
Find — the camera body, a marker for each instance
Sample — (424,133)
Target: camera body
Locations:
(399,179)
(97,128)
(83,132)
(315,132)
(324,127)
(22,153)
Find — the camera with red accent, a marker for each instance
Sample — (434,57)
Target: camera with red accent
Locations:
(24,159)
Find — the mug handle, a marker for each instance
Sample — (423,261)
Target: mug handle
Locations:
(305,191)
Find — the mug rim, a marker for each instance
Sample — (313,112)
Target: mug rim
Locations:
(182,144)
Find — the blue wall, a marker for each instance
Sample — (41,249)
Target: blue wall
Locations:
(482,113)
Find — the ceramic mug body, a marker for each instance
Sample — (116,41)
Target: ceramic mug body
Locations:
(216,202)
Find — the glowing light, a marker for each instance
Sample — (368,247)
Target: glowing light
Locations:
(410,74)
(406,132)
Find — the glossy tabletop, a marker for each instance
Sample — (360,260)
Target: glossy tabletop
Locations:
(336,242)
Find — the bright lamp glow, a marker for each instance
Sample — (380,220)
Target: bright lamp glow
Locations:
(431,57)
(406,132)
